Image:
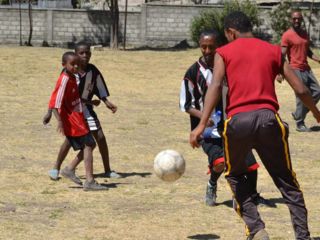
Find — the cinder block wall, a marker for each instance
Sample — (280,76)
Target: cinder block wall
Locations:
(153,25)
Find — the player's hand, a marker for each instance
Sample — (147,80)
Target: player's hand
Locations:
(60,128)
(279,78)
(46,119)
(111,106)
(95,102)
(210,123)
(195,136)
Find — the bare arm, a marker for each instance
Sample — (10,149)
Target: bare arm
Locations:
(212,98)
(301,90)
(110,105)
(57,115)
(280,77)
(313,56)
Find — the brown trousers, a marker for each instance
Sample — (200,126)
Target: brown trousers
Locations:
(264,131)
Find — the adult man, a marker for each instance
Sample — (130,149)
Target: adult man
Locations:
(193,90)
(295,43)
(251,66)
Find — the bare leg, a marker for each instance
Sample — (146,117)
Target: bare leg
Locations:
(75,162)
(103,148)
(63,152)
(88,162)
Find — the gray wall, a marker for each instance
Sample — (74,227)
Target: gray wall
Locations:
(152,25)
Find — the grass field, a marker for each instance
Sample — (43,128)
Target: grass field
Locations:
(145,86)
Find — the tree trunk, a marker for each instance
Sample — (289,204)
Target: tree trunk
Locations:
(30,23)
(114,9)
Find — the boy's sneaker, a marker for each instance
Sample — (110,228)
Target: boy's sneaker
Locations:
(54,174)
(67,173)
(112,174)
(211,195)
(260,235)
(93,186)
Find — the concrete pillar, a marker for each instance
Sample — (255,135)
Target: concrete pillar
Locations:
(143,25)
(49,37)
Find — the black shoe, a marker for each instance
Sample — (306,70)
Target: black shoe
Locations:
(260,201)
(301,127)
(211,195)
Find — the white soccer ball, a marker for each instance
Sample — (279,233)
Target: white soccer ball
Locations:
(169,165)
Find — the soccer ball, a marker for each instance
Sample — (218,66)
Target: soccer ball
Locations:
(169,165)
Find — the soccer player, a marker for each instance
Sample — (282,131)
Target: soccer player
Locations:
(66,105)
(90,83)
(250,66)
(193,89)
(296,45)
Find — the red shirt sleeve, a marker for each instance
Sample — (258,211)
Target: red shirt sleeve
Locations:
(285,40)
(58,92)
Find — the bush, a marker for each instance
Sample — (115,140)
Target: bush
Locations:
(213,18)
(280,19)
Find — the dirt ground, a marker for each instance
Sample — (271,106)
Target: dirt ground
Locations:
(145,85)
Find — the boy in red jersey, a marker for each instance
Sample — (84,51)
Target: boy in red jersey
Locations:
(91,82)
(67,108)
(251,66)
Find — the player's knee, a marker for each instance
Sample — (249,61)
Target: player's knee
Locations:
(218,165)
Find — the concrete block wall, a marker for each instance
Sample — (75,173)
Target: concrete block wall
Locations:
(152,25)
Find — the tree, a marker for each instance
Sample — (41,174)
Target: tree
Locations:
(114,10)
(280,17)
(213,18)
(30,23)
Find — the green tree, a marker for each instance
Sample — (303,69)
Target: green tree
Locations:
(214,17)
(280,19)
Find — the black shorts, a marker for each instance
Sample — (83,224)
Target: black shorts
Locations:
(214,150)
(78,143)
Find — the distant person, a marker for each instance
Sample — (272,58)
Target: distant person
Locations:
(250,66)
(296,45)
(192,94)
(66,105)
(90,83)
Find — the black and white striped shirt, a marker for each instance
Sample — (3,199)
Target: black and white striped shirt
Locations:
(91,83)
(194,87)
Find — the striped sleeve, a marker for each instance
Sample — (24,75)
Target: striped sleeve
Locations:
(102,89)
(58,93)
(187,98)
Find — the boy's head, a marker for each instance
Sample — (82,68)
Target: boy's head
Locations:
(70,62)
(208,43)
(236,23)
(82,50)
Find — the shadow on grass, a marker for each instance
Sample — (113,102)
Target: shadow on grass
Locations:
(273,203)
(315,128)
(181,46)
(315,238)
(204,236)
(125,175)
(108,185)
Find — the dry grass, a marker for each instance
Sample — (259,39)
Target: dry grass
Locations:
(145,86)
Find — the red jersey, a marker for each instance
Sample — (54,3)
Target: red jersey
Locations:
(297,49)
(65,97)
(251,68)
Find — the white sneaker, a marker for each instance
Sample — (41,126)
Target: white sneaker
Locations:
(112,174)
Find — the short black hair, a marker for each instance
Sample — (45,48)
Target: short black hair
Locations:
(239,21)
(210,32)
(81,44)
(66,56)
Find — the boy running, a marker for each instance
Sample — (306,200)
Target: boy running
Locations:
(90,83)
(193,90)
(251,66)
(67,108)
